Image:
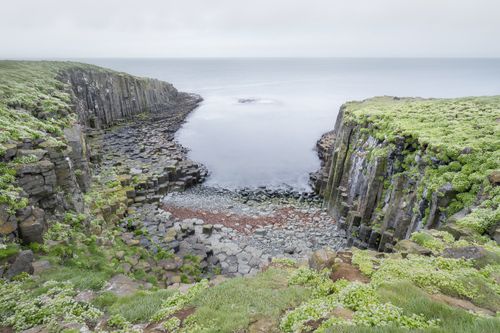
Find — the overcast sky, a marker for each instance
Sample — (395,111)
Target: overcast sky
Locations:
(219,28)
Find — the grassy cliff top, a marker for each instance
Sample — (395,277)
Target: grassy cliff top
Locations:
(462,134)
(33,102)
(452,124)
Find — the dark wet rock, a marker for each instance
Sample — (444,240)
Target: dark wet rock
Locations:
(324,149)
(31,229)
(8,223)
(247,100)
(40,266)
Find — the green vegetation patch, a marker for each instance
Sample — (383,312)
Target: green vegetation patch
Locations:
(447,124)
(232,305)
(137,308)
(8,250)
(21,309)
(452,319)
(345,304)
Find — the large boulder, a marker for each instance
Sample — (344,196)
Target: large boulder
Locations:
(122,285)
(409,247)
(479,255)
(264,325)
(494,177)
(457,231)
(321,259)
(496,235)
(32,228)
(22,263)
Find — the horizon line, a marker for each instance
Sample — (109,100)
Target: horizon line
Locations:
(246,57)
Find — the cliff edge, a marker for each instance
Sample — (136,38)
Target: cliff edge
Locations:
(399,165)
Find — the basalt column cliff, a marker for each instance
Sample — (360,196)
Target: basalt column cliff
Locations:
(45,153)
(400,165)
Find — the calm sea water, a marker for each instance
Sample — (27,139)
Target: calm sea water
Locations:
(270,140)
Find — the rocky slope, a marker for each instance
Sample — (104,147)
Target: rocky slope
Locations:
(400,165)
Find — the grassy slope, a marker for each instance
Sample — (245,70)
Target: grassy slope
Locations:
(234,304)
(449,125)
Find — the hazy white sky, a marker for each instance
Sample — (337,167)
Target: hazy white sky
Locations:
(197,28)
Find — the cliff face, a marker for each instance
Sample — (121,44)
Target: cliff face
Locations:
(386,180)
(102,97)
(51,172)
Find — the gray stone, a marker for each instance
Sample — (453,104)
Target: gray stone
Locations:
(323,258)
(207,229)
(23,263)
(479,255)
(260,231)
(40,266)
(409,247)
(122,285)
(31,229)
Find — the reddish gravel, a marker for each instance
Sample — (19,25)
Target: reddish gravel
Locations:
(240,222)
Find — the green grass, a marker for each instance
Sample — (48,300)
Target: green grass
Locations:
(82,279)
(33,105)
(448,124)
(232,305)
(137,308)
(8,251)
(414,300)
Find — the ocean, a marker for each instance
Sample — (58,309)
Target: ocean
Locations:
(261,117)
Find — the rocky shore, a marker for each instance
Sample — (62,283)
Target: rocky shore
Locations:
(244,235)
(143,151)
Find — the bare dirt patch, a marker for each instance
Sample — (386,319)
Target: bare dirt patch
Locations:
(348,272)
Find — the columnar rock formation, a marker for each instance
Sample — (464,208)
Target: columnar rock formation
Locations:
(380,186)
(58,172)
(103,97)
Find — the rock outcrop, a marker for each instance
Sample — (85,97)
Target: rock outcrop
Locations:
(379,187)
(324,148)
(102,97)
(367,193)
(54,174)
